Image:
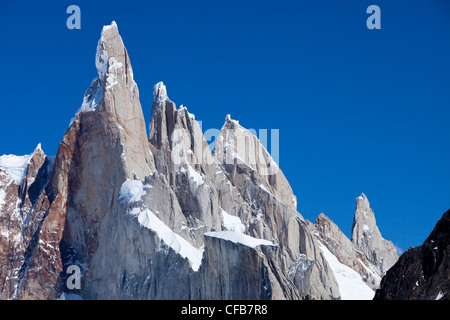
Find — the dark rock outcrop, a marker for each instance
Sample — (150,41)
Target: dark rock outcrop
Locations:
(367,239)
(421,273)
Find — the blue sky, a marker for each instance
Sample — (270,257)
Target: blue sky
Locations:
(358,110)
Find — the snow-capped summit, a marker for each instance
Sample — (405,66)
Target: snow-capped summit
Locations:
(112,60)
(38,147)
(24,201)
(15,166)
(362,197)
(108,46)
(228,119)
(114,72)
(363,202)
(112,25)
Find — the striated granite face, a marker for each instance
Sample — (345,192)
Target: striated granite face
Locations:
(367,238)
(237,149)
(269,209)
(159,216)
(204,195)
(108,144)
(421,273)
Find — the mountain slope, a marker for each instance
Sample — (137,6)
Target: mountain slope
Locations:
(30,260)
(140,210)
(367,238)
(349,263)
(157,215)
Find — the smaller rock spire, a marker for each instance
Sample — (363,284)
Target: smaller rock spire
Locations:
(367,237)
(162,120)
(160,93)
(231,123)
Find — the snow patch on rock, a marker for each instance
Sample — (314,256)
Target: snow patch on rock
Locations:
(160,93)
(101,56)
(195,176)
(440,295)
(15,166)
(181,246)
(238,237)
(92,97)
(131,192)
(2,199)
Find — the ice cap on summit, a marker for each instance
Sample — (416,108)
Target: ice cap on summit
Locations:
(160,92)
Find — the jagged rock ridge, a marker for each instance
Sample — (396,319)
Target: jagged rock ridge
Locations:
(421,273)
(356,254)
(154,216)
(29,251)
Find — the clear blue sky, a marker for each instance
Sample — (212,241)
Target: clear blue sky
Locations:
(358,110)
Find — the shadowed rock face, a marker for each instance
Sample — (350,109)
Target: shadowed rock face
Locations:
(142,215)
(421,273)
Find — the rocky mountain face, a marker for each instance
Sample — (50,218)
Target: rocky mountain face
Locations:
(368,254)
(30,231)
(367,238)
(421,273)
(160,216)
